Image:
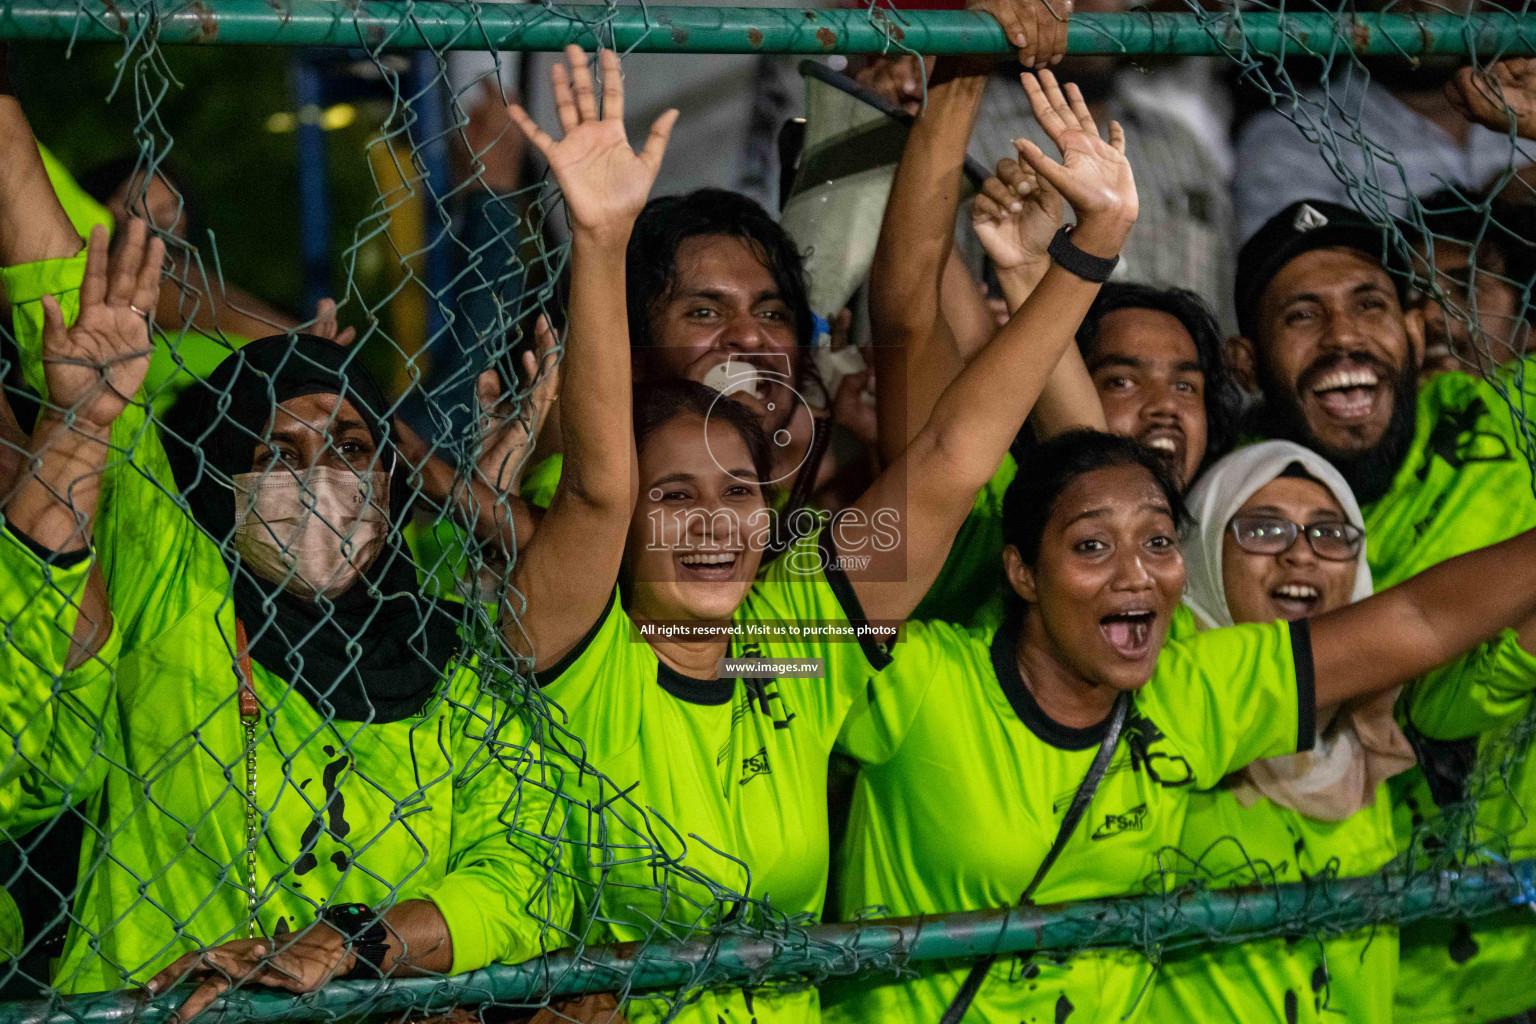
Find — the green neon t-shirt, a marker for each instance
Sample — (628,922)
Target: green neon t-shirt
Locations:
(446,806)
(971,580)
(1475,970)
(965,780)
(1465,483)
(725,780)
(1339,978)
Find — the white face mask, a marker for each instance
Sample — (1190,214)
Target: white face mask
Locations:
(314,532)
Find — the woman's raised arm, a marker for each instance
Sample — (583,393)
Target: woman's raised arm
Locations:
(562,580)
(928,491)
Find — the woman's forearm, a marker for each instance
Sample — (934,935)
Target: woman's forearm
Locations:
(1425,621)
(1069,401)
(419,941)
(913,341)
(55,501)
(596,415)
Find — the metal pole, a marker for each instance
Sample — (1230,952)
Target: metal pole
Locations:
(455,25)
(1334,907)
(314,194)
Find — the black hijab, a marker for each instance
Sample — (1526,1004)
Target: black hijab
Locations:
(375,652)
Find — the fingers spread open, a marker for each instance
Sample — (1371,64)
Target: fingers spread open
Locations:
(581,83)
(613,86)
(1080,109)
(146,290)
(656,144)
(93,289)
(532,131)
(124,269)
(1045,111)
(1052,172)
(565,102)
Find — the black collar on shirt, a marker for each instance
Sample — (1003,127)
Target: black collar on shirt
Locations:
(695,691)
(1005,664)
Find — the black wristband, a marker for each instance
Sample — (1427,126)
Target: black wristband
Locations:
(1072,259)
(366,936)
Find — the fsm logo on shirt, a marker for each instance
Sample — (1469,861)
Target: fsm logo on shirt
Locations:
(1133,820)
(752,767)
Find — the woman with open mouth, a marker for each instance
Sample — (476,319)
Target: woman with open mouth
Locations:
(1277,535)
(1057,760)
(643,587)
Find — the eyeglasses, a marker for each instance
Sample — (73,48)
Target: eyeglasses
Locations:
(1267,535)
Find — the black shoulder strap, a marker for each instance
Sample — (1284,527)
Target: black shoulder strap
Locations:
(1075,812)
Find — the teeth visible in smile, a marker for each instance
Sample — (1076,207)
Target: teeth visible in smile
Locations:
(1165,444)
(1346,378)
(724,558)
(1302,591)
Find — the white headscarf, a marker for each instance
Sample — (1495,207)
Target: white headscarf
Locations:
(1359,744)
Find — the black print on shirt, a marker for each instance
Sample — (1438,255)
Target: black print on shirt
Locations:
(1169,770)
(1446,440)
(757,764)
(334,820)
(1133,820)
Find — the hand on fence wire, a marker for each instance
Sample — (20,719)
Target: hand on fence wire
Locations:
(1037,27)
(508,429)
(300,962)
(1015,216)
(94,368)
(1093,176)
(605,182)
(325,325)
(1500,96)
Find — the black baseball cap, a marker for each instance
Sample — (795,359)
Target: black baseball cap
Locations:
(1299,228)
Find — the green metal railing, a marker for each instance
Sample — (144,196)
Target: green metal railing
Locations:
(440,25)
(1338,906)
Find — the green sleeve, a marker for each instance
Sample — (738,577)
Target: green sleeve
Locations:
(151,552)
(539,483)
(1229,697)
(884,711)
(1483,690)
(505,898)
(25,285)
(83,211)
(807,584)
(973,573)
(38,608)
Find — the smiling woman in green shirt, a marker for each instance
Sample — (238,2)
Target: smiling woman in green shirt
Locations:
(657,525)
(1094,562)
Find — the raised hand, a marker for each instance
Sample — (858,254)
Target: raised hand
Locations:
(1502,94)
(1093,176)
(1037,27)
(1015,216)
(94,368)
(605,183)
(510,433)
(325,325)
